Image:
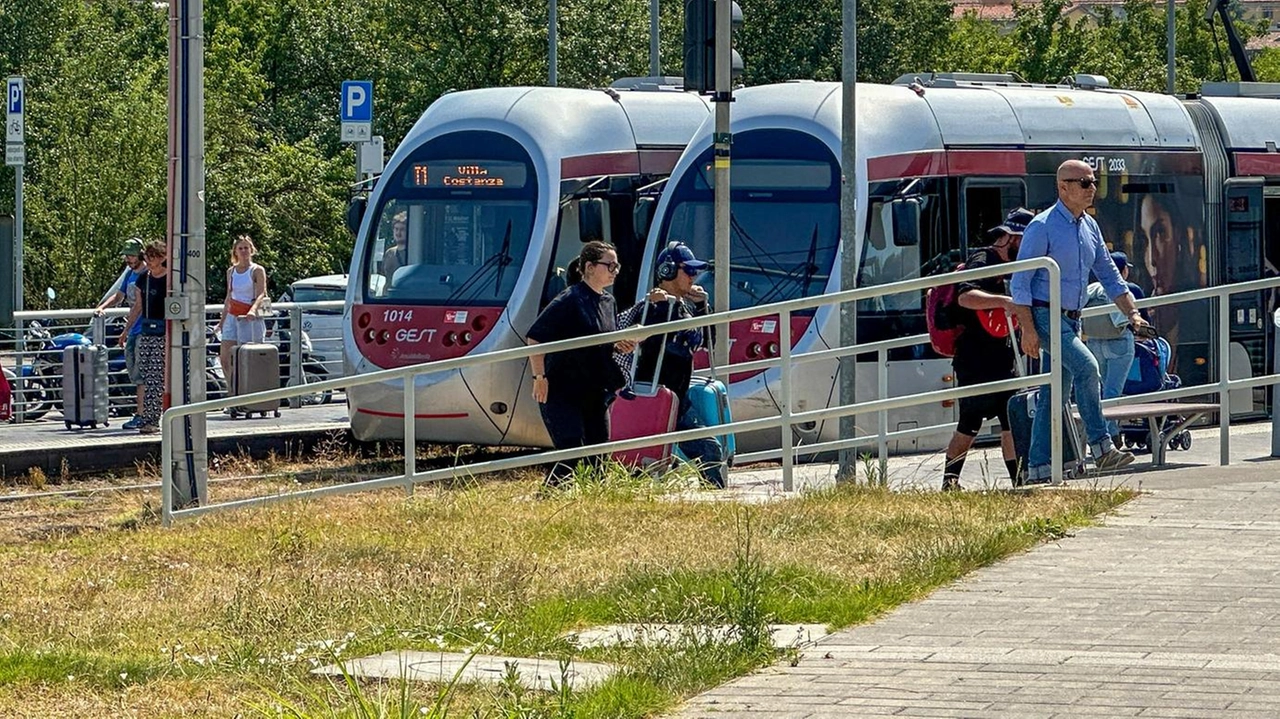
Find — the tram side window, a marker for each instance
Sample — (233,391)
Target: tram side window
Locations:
(986,204)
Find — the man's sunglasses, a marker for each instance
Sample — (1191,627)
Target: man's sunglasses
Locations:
(691,271)
(1084,182)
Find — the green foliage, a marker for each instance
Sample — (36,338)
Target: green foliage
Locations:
(97,84)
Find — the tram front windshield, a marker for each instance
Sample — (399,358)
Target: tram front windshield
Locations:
(453,227)
(785,221)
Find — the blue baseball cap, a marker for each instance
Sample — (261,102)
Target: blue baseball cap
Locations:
(1015,223)
(681,255)
(1121,260)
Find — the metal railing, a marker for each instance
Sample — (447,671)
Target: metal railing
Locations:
(34,367)
(784,423)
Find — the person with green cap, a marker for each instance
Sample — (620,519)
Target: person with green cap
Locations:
(127,289)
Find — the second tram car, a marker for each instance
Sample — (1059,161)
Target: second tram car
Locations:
(469,231)
(1190,189)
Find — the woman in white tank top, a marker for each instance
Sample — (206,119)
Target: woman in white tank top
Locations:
(241,312)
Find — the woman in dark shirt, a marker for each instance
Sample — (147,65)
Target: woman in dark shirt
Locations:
(574,387)
(148,310)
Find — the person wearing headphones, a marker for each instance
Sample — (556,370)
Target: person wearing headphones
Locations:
(675,298)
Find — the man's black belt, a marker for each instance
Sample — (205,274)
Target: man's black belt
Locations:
(1070,314)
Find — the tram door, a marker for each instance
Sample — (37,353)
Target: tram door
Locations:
(1271,268)
(1242,258)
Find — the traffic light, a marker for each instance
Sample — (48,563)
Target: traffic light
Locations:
(700,45)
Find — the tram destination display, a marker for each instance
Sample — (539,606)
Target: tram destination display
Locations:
(466,174)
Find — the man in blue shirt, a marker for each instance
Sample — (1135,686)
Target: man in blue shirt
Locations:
(1073,239)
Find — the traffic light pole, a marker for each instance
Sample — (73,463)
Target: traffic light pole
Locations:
(849,232)
(722,142)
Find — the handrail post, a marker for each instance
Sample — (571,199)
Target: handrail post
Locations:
(1224,378)
(1057,393)
(19,384)
(295,353)
(788,456)
(410,433)
(882,417)
(1275,388)
(166,472)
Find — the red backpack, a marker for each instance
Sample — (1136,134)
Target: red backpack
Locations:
(939,305)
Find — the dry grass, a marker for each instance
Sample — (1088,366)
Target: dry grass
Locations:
(217,612)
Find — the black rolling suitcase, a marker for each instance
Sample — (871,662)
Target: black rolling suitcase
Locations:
(1022,409)
(85,400)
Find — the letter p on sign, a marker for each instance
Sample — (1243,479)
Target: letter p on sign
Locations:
(357,101)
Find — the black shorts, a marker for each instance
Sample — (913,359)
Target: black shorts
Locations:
(976,410)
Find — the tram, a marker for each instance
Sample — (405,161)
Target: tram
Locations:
(1190,189)
(468,232)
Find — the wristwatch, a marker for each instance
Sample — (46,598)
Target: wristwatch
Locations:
(539,376)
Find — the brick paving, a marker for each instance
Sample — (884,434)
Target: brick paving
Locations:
(1169,608)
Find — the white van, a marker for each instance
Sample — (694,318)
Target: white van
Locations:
(324,327)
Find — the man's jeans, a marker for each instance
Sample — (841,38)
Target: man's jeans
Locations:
(1079,371)
(1114,356)
(704,453)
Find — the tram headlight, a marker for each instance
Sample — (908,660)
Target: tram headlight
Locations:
(465,338)
(753,350)
(450,339)
(370,336)
(363,320)
(773,349)
(479,323)
(384,337)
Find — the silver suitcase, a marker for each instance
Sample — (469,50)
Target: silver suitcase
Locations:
(257,369)
(85,400)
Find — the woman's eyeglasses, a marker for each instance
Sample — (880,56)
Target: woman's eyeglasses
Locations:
(613,266)
(1084,182)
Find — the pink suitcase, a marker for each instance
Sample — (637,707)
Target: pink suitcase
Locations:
(643,417)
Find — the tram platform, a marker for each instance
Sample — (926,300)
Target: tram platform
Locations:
(49,445)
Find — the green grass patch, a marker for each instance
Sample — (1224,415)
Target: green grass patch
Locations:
(244,605)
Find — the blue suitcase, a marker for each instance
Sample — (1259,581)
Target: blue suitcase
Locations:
(710,402)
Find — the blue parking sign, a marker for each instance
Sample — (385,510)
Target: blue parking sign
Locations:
(14,96)
(357,101)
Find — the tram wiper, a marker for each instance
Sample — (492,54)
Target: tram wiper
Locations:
(810,264)
(504,259)
(498,260)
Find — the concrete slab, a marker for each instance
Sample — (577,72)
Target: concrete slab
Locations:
(785,636)
(418,666)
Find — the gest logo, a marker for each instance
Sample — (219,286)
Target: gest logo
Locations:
(415,335)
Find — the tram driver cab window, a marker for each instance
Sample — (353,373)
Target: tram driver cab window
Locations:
(396,254)
(888,258)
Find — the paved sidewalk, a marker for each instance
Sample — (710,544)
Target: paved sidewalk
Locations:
(1170,608)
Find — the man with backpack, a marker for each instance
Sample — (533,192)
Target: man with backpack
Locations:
(983,352)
